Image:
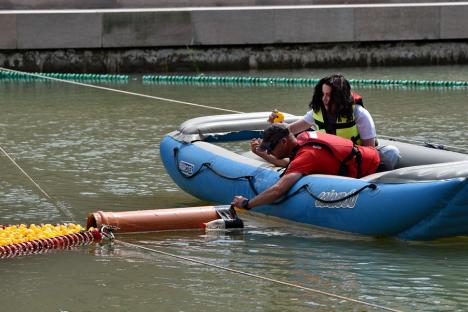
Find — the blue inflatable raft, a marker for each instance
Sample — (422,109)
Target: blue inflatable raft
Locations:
(425,198)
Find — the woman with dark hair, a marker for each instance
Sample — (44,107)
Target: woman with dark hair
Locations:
(334,109)
(337,110)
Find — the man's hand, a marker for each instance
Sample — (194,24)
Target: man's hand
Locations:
(254,144)
(270,195)
(238,201)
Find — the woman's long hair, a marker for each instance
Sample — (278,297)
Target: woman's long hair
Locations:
(340,96)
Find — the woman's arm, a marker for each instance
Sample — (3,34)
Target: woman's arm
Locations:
(300,125)
(368,142)
(365,125)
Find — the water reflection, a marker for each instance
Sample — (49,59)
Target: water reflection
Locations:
(387,271)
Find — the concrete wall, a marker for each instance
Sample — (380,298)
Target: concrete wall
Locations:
(161,60)
(230,26)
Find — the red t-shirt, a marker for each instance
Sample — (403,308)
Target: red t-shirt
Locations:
(312,159)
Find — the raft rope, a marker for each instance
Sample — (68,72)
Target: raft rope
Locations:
(60,206)
(123,92)
(25,173)
(84,237)
(183,102)
(264,278)
(426,144)
(305,188)
(209,166)
(290,81)
(250,179)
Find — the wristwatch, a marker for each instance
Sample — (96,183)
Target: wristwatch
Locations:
(245,204)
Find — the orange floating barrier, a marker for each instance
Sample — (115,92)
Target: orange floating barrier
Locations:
(45,244)
(160,219)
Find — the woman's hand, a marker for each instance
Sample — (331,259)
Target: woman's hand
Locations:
(276,117)
(272,117)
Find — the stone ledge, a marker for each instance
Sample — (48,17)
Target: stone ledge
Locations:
(119,61)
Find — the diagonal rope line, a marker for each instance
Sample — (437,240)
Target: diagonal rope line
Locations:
(443,146)
(258,276)
(62,208)
(462,150)
(123,92)
(167,253)
(25,173)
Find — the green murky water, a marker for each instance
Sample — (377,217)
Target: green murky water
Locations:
(98,150)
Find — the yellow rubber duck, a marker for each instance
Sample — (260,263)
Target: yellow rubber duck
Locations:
(279,116)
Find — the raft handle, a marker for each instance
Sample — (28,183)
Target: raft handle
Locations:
(209,167)
(305,187)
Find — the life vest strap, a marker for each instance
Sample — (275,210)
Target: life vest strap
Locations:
(355,139)
(356,154)
(338,125)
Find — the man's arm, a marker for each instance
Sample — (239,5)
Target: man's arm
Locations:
(255,143)
(270,195)
(273,160)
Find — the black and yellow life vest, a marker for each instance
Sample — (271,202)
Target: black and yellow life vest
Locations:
(343,128)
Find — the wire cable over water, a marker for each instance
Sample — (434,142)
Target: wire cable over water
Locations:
(426,143)
(60,206)
(66,212)
(256,276)
(25,173)
(124,92)
(204,78)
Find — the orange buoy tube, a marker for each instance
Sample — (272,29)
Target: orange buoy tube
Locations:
(155,220)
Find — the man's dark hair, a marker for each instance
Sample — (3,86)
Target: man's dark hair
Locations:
(272,135)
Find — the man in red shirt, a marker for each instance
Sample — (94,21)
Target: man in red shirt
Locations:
(310,153)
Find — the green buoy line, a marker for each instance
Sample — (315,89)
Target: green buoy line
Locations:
(285,81)
(10,75)
(226,80)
